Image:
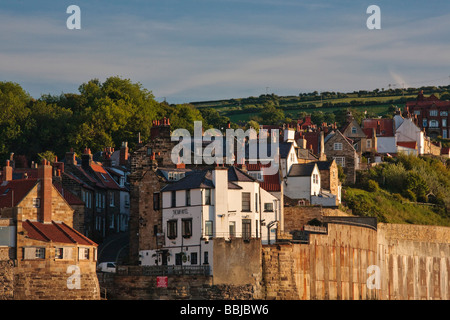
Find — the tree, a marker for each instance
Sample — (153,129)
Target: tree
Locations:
(13,114)
(272,115)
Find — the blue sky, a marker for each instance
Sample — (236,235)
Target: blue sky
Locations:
(195,50)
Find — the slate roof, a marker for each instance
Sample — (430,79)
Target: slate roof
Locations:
(201,179)
(301,169)
(236,174)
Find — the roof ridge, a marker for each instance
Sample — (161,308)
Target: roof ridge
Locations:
(63,231)
(78,233)
(38,230)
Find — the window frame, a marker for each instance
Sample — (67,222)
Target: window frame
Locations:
(246,202)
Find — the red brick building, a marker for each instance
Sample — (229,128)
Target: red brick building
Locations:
(431,114)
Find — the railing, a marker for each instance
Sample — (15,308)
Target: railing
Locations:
(204,270)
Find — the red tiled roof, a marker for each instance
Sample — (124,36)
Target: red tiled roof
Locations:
(383,127)
(104,176)
(270,182)
(368,132)
(312,140)
(407,144)
(56,232)
(12,192)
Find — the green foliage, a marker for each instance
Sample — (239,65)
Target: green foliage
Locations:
(409,189)
(372,186)
(100,115)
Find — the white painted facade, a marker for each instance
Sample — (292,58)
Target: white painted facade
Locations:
(233,210)
(407,131)
(303,187)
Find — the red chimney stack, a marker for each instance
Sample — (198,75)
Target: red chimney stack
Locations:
(7,172)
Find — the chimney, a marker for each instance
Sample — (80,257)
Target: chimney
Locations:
(45,191)
(123,159)
(7,172)
(70,158)
(86,158)
(322,144)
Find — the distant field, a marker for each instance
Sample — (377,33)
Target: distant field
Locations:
(379,110)
(292,105)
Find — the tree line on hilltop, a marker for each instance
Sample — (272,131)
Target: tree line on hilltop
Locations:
(100,115)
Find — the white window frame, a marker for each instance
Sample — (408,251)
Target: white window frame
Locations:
(340,161)
(337,146)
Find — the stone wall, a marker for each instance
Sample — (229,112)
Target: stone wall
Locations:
(332,266)
(179,287)
(414,262)
(6,280)
(296,217)
(243,261)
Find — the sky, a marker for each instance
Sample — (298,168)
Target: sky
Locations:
(197,50)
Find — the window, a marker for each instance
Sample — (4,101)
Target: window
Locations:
(246,228)
(256,202)
(232,229)
(444,122)
(424,122)
(122,181)
(337,146)
(434,124)
(36,202)
(174,199)
(315,178)
(40,253)
(369,143)
(417,112)
(444,113)
(127,201)
(156,201)
(444,134)
(205,257)
(268,206)
(188,197)
(111,199)
(245,201)
(193,257)
(83,253)
(149,151)
(187,228)
(208,228)
(340,161)
(59,253)
(207,196)
(172,229)
(353,129)
(433,113)
(256,175)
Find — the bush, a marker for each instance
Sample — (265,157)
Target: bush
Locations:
(372,186)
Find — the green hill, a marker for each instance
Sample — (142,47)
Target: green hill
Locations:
(408,189)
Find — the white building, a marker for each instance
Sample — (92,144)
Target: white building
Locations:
(303,181)
(208,204)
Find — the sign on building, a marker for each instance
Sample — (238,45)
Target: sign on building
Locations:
(161,282)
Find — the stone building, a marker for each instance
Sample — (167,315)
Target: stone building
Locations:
(340,149)
(51,259)
(101,192)
(145,223)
